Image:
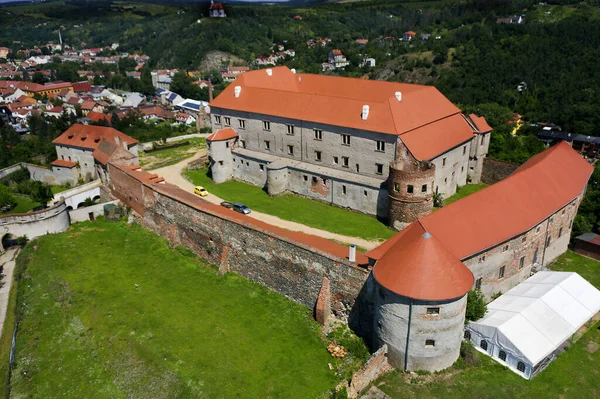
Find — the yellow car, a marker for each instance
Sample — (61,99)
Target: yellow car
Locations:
(201,191)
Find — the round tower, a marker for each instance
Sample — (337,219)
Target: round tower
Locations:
(220,156)
(420,302)
(277,178)
(410,191)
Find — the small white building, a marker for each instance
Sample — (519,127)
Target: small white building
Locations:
(525,328)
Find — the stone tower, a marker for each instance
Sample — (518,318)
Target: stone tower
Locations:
(410,189)
(220,156)
(420,302)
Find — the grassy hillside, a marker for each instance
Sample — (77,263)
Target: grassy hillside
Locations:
(109,310)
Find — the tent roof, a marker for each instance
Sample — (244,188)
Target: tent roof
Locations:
(534,318)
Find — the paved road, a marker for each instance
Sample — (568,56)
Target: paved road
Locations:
(7,260)
(172,174)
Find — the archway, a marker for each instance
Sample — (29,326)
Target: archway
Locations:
(8,240)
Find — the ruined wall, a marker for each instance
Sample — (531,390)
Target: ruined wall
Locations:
(494,170)
(284,265)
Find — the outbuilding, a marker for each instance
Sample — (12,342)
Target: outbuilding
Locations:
(528,326)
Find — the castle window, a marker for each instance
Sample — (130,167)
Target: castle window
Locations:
(548,241)
(318,156)
(538,229)
(69,157)
(563,212)
(467,334)
(266,125)
(478,283)
(524,239)
(501,272)
(453,174)
(227,144)
(267,145)
(444,161)
(424,188)
(521,367)
(433,310)
(381,146)
(243,142)
(345,139)
(502,356)
(305,178)
(314,179)
(464,150)
(345,162)
(324,180)
(481,259)
(397,187)
(560,232)
(242,123)
(430,343)
(344,189)
(462,169)
(335,160)
(409,188)
(262,167)
(290,149)
(227,121)
(62,156)
(357,168)
(505,248)
(365,193)
(290,129)
(571,223)
(482,139)
(521,262)
(484,344)
(318,134)
(221,163)
(379,168)
(247,163)
(218,119)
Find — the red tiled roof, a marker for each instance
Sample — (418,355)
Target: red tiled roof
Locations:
(63,163)
(539,188)
(480,123)
(88,105)
(222,134)
(98,116)
(87,136)
(339,101)
(420,267)
(410,33)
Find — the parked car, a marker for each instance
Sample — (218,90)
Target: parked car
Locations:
(241,208)
(227,204)
(201,191)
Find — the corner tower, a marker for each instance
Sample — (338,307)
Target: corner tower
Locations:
(420,301)
(220,157)
(410,189)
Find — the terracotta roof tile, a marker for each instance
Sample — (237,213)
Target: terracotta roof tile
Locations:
(222,134)
(339,101)
(63,163)
(87,136)
(420,267)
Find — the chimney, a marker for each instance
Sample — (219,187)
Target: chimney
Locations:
(237,90)
(270,72)
(398,95)
(293,70)
(365,112)
(117,140)
(210,93)
(352,255)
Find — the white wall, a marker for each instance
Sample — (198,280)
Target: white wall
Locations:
(83,214)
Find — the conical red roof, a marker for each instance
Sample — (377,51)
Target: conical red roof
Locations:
(418,266)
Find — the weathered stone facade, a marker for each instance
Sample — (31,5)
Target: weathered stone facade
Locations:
(494,170)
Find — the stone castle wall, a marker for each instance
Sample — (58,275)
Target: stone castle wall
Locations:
(274,260)
(494,170)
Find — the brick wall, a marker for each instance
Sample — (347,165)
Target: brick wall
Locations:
(289,267)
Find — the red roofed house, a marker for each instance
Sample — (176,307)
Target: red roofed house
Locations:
(409,35)
(90,148)
(338,136)
(98,116)
(216,10)
(491,240)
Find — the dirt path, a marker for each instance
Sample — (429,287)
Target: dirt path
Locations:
(7,261)
(172,174)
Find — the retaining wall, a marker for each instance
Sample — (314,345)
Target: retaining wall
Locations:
(494,170)
(83,214)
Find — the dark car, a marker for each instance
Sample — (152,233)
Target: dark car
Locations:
(227,204)
(241,208)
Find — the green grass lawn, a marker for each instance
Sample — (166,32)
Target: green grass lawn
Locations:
(24,204)
(111,311)
(463,191)
(574,374)
(59,189)
(170,156)
(295,208)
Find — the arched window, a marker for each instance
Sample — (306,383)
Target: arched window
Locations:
(502,356)
(467,334)
(521,367)
(484,344)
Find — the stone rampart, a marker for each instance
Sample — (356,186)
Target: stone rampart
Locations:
(293,264)
(494,170)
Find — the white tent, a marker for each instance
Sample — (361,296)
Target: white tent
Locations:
(524,327)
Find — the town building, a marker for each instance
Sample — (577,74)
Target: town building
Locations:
(216,10)
(336,60)
(84,151)
(376,147)
(588,244)
(4,52)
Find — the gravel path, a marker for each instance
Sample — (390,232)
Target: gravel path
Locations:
(172,174)
(7,261)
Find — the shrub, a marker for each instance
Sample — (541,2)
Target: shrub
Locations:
(476,307)
(6,198)
(468,353)
(22,241)
(15,177)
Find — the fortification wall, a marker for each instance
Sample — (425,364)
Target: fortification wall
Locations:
(292,268)
(494,170)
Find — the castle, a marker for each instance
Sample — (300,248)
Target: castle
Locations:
(377,147)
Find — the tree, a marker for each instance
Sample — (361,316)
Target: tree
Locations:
(6,198)
(476,307)
(42,193)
